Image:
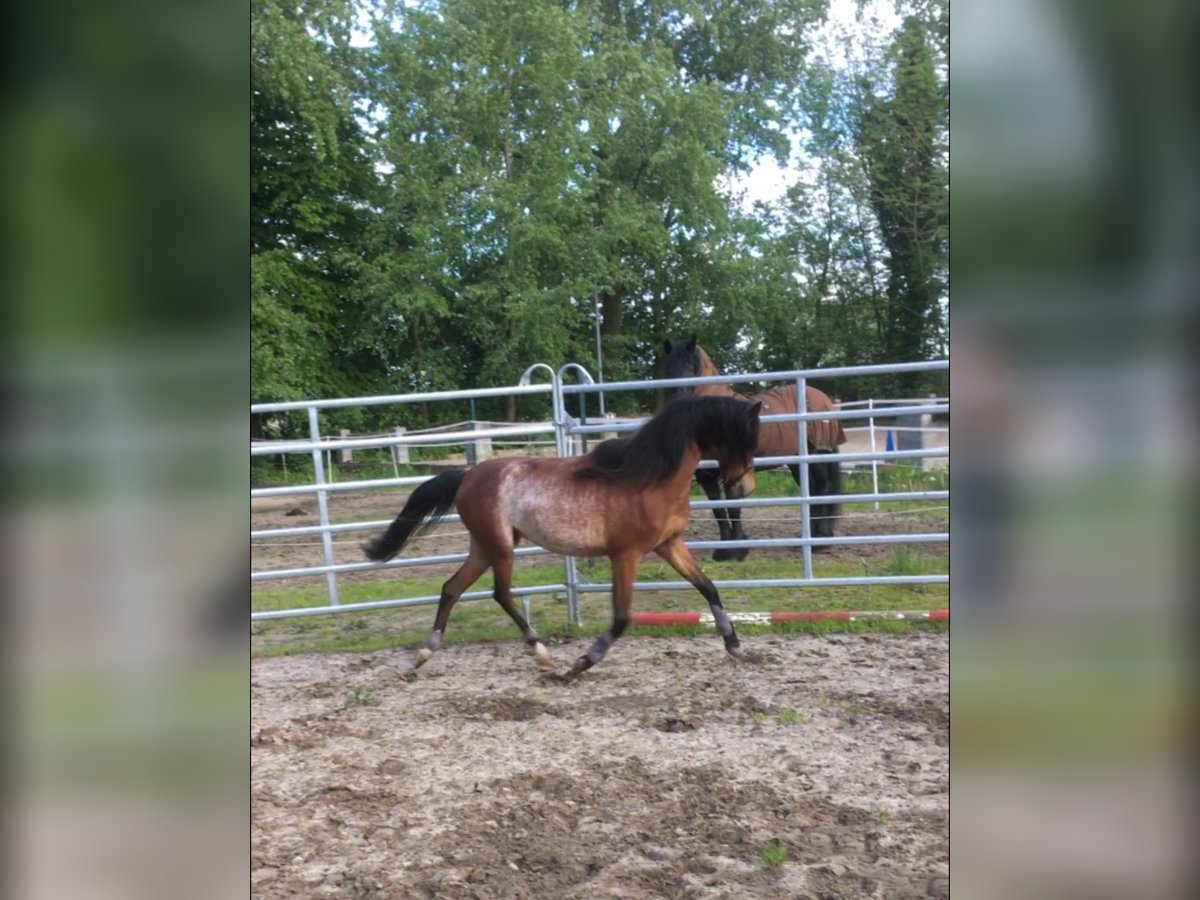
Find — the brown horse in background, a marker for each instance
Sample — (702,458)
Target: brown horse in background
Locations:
(626,498)
(685,359)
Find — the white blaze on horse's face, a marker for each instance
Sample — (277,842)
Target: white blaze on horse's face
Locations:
(744,485)
(738,475)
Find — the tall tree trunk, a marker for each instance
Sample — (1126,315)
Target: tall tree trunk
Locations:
(612,308)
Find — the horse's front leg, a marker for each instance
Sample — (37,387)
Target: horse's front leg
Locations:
(736,533)
(624,568)
(680,558)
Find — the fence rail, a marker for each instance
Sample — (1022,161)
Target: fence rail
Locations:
(568,436)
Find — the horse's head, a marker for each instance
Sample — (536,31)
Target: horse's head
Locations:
(683,361)
(735,456)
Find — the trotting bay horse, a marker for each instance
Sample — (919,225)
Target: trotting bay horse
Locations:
(626,498)
(685,359)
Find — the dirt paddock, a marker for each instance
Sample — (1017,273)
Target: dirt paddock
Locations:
(669,770)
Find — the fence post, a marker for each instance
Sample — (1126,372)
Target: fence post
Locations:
(555,402)
(482,445)
(314,431)
(608,417)
(399,451)
(345,454)
(802,448)
(566,444)
(562,447)
(926,426)
(874,462)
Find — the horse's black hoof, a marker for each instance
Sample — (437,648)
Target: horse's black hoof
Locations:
(581,665)
(721,554)
(739,555)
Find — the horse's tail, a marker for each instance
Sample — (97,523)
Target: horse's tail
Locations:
(426,506)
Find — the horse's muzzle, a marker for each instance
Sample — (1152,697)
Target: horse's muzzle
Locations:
(740,486)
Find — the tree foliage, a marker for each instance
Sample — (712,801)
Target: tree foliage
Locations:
(458,196)
(899,136)
(869,224)
(309,181)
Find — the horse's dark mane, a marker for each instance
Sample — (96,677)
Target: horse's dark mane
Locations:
(653,453)
(686,358)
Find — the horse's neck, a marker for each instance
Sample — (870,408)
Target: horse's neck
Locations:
(707,367)
(717,390)
(681,481)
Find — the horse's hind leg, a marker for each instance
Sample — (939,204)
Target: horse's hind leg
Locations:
(824,481)
(676,553)
(818,515)
(467,574)
(502,568)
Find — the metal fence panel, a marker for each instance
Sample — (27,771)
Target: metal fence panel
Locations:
(569,435)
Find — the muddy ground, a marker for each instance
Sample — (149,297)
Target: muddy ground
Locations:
(666,771)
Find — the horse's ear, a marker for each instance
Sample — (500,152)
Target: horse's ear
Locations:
(691,344)
(756,409)
(667,347)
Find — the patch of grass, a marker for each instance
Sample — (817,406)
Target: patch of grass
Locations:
(483,620)
(361,697)
(881,815)
(923,560)
(404,584)
(367,465)
(892,479)
(759,715)
(791,717)
(906,561)
(773,854)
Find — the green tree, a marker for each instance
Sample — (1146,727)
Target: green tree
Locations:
(693,95)
(451,201)
(901,136)
(546,158)
(868,222)
(309,176)
(482,260)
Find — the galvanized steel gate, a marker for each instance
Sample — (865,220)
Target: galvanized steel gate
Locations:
(567,433)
